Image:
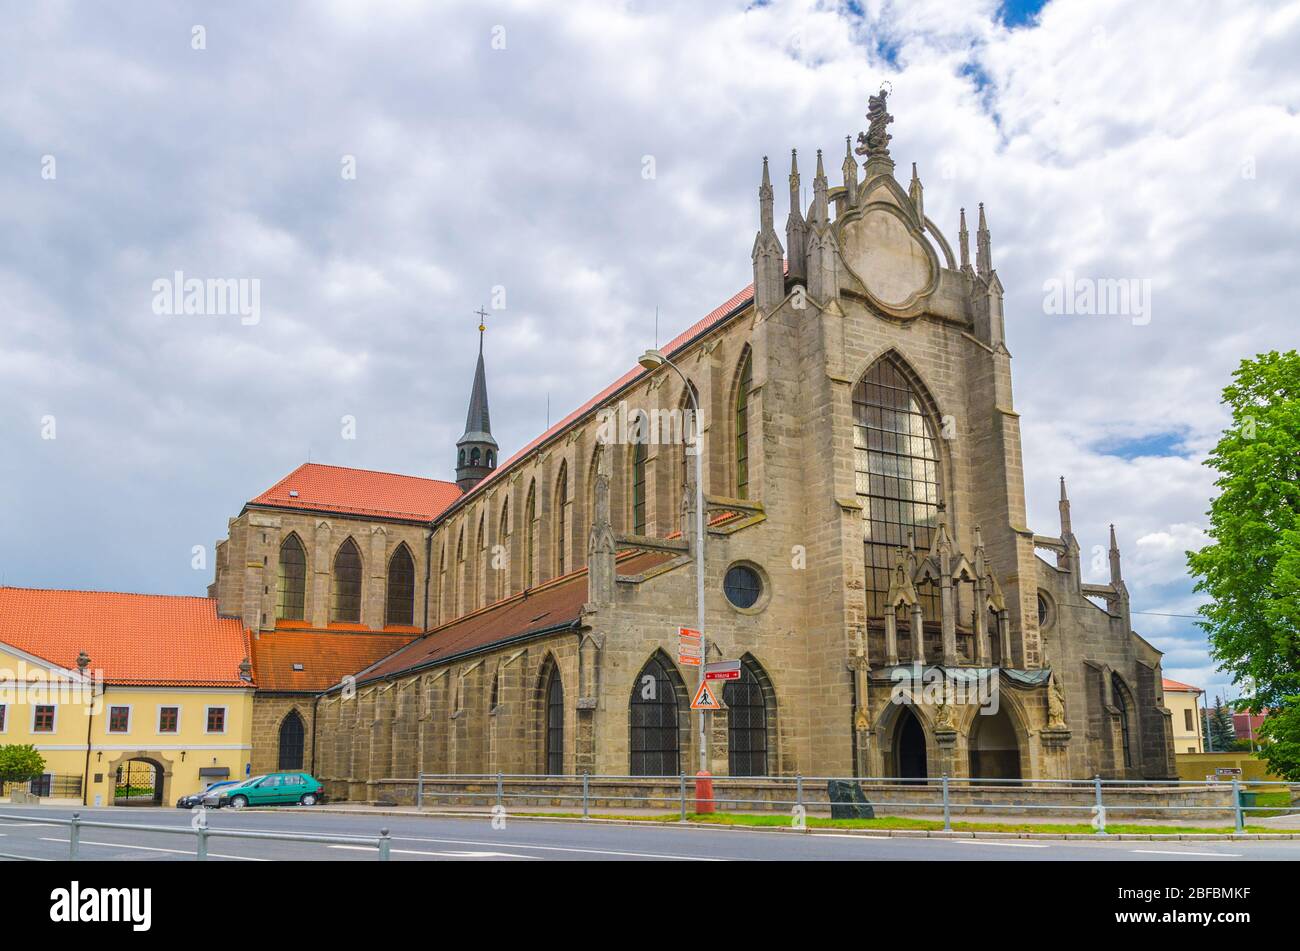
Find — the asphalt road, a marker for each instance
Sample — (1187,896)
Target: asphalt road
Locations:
(426,839)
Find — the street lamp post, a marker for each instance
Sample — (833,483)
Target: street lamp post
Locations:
(651,360)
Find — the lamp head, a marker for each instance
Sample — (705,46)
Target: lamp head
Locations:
(651,359)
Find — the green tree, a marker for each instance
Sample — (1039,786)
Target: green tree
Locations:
(1218,727)
(1251,568)
(20,762)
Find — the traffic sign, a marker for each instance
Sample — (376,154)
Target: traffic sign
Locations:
(705,698)
(722,670)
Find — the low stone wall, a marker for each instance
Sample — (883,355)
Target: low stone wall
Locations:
(1211,803)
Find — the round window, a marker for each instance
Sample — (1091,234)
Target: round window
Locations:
(742,586)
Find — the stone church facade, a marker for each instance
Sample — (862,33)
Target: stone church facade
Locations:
(867,555)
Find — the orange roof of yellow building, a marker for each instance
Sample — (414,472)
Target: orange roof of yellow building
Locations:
(145,639)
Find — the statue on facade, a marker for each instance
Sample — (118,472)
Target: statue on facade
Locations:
(1055,705)
(945,718)
(874,143)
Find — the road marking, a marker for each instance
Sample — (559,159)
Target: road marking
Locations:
(1217,855)
(151,848)
(453,855)
(559,848)
(1007,845)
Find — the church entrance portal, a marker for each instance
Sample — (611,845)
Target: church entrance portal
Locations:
(909,747)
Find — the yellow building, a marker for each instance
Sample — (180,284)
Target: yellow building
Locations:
(1184,702)
(132,699)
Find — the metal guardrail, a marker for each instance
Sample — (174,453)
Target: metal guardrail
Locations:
(382,843)
(942,787)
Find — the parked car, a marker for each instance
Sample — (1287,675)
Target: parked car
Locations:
(194,799)
(272,789)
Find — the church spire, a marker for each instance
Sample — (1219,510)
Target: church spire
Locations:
(796,229)
(768,255)
(476,450)
(983,247)
(963,240)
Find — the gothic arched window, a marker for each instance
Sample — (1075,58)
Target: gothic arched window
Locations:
(500,559)
(554,723)
(474,456)
(690,434)
(746,704)
(896,458)
(291,595)
(401,587)
(655,743)
(742,426)
(530,519)
(1120,695)
(561,514)
(638,488)
(346,606)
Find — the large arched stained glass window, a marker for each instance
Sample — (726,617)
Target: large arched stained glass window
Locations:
(401,587)
(291,595)
(742,427)
(896,458)
(346,606)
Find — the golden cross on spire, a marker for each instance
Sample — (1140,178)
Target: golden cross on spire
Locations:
(482,319)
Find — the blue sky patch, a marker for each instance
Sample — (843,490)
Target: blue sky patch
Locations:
(1152,444)
(1016,13)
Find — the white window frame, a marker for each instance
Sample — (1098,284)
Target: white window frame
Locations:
(108,721)
(207,719)
(54,727)
(4,718)
(157,723)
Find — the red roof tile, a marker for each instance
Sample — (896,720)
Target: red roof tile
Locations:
(326,656)
(1177,687)
(148,639)
(321,488)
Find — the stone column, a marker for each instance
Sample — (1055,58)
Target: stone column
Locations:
(918,633)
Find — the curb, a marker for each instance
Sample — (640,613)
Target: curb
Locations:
(863,833)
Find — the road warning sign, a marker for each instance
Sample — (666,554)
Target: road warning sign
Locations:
(705,698)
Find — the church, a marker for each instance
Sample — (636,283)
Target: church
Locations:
(867,557)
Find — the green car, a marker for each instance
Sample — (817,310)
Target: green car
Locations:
(273,789)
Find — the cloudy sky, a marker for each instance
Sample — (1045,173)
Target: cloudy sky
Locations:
(505,144)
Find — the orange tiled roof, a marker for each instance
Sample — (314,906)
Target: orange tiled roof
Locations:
(1177,687)
(321,488)
(146,639)
(326,656)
